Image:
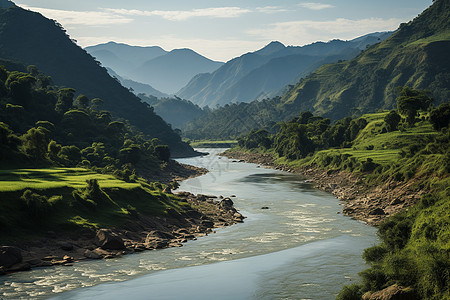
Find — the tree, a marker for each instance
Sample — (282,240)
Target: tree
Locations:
(392,119)
(82,102)
(411,101)
(65,100)
(162,152)
(440,117)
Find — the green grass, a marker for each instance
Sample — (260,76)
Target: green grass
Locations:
(66,214)
(52,178)
(213,144)
(442,36)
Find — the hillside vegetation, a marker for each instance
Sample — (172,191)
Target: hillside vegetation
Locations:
(384,147)
(31,39)
(66,163)
(415,56)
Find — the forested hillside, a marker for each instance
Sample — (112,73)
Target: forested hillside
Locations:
(406,149)
(31,39)
(416,55)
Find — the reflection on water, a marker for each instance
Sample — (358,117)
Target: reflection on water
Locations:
(299,217)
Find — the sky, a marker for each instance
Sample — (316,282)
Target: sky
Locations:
(223,29)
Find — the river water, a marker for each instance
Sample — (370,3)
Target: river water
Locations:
(298,248)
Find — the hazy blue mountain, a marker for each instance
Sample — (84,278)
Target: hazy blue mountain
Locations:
(267,71)
(172,71)
(32,39)
(123,58)
(137,87)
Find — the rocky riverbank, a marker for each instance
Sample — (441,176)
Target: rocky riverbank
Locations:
(371,204)
(140,234)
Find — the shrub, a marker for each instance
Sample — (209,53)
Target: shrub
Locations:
(36,205)
(350,292)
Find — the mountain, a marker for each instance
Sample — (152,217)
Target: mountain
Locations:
(264,73)
(172,71)
(416,55)
(123,58)
(174,111)
(32,39)
(165,71)
(137,87)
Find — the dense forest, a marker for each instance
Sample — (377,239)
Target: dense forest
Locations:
(410,144)
(45,125)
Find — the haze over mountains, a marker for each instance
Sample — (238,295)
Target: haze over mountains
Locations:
(264,73)
(165,71)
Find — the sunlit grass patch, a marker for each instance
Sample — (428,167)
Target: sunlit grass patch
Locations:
(41,179)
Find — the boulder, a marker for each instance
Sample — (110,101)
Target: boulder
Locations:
(377,211)
(156,243)
(10,256)
(396,201)
(66,246)
(22,266)
(107,239)
(159,234)
(393,292)
(68,258)
(226,203)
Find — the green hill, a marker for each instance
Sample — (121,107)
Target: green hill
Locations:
(32,39)
(416,56)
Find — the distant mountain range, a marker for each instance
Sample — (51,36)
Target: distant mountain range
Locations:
(165,71)
(32,39)
(266,72)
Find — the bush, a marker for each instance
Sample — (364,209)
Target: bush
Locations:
(36,205)
(350,292)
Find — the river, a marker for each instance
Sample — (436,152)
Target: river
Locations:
(298,248)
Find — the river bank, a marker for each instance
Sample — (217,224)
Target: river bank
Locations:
(371,204)
(142,232)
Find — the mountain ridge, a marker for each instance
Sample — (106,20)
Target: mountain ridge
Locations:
(219,87)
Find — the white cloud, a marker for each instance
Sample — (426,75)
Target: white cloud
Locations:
(181,15)
(315,6)
(89,18)
(271,9)
(304,32)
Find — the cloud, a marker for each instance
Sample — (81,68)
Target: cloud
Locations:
(304,32)
(182,15)
(89,18)
(270,9)
(315,6)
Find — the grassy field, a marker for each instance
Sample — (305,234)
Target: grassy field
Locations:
(384,148)
(213,144)
(34,201)
(41,179)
